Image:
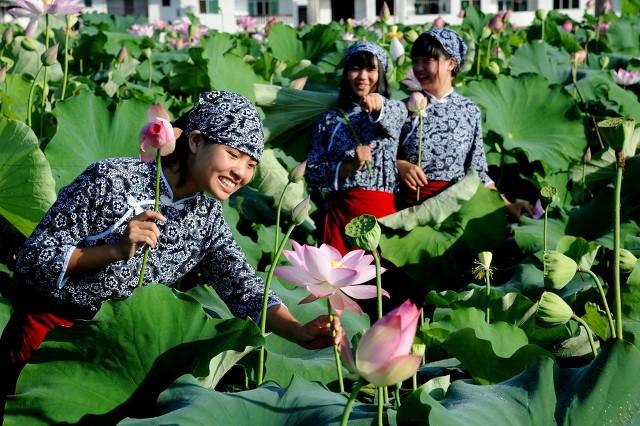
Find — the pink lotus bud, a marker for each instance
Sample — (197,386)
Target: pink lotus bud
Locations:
(606,6)
(123,55)
(417,102)
(297,173)
(301,211)
(7,37)
(397,49)
(603,28)
(589,4)
(495,24)
(579,57)
(348,37)
(298,83)
(587,155)
(3,74)
(568,25)
(50,56)
(506,17)
(439,22)
(383,356)
(385,13)
(157,135)
(461,13)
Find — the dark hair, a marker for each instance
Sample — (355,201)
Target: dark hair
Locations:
(361,59)
(180,155)
(427,46)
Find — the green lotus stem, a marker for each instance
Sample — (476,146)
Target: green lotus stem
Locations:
(30,97)
(616,243)
(545,225)
(424,355)
(543,22)
(150,71)
(66,63)
(604,301)
(489,49)
(155,209)
(380,405)
(589,334)
(356,136)
(265,299)
(420,127)
(336,351)
(487,281)
(478,61)
(276,242)
(414,381)
(376,257)
(44,78)
(396,396)
(344,421)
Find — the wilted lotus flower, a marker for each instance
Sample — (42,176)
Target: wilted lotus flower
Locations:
(364,232)
(552,310)
(157,134)
(141,30)
(301,211)
(495,24)
(483,265)
(411,82)
(324,272)
(568,25)
(417,103)
(383,356)
(50,56)
(349,37)
(625,78)
(439,22)
(297,173)
(559,269)
(627,260)
(397,50)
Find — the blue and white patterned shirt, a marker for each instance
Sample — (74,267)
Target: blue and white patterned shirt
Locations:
(333,143)
(95,209)
(451,139)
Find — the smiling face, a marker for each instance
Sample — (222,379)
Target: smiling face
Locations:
(435,75)
(219,169)
(363,80)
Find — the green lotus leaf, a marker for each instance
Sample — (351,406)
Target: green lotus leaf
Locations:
(319,40)
(599,393)
(115,365)
(543,59)
(14,100)
(290,114)
(631,295)
(5,313)
(251,250)
(531,116)
(582,251)
(623,35)
(88,132)
(597,321)
(437,256)
(29,62)
(285,44)
(26,185)
(530,232)
(271,177)
(600,87)
(300,403)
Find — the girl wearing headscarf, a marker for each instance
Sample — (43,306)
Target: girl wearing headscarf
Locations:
(89,246)
(452,130)
(352,158)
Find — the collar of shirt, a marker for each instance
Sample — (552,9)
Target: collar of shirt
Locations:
(435,100)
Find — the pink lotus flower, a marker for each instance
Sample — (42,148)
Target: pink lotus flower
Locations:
(160,24)
(411,82)
(461,13)
(624,77)
(417,103)
(439,22)
(141,30)
(568,25)
(247,23)
(495,24)
(383,355)
(606,6)
(349,37)
(324,272)
(579,57)
(603,27)
(34,9)
(157,134)
(538,211)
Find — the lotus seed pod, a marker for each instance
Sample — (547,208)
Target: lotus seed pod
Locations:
(364,232)
(617,132)
(50,56)
(541,14)
(27,43)
(297,173)
(418,349)
(559,269)
(485,257)
(627,260)
(411,36)
(547,194)
(301,211)
(147,52)
(552,310)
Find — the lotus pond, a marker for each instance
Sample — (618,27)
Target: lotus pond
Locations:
(529,323)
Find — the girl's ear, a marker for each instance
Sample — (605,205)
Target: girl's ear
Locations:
(194,139)
(451,64)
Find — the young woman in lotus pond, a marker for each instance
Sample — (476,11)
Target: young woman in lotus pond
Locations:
(452,129)
(88,247)
(353,150)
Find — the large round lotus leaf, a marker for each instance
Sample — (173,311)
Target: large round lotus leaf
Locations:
(26,186)
(603,392)
(29,62)
(623,35)
(300,403)
(540,58)
(285,44)
(99,371)
(600,87)
(13,100)
(532,117)
(88,132)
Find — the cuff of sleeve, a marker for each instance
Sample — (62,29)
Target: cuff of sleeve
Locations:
(380,114)
(337,176)
(62,279)
(269,305)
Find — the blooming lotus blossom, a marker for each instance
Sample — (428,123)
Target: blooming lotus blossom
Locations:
(411,82)
(34,9)
(141,30)
(324,272)
(397,49)
(157,134)
(349,37)
(567,25)
(439,22)
(625,78)
(383,356)
(160,24)
(247,23)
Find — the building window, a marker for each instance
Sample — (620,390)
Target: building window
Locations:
(263,7)
(208,6)
(514,5)
(427,7)
(566,4)
(166,3)
(88,3)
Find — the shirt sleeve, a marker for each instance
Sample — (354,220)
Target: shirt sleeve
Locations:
(391,117)
(225,267)
(44,257)
(321,168)
(477,159)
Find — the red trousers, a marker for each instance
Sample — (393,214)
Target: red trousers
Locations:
(409,198)
(344,206)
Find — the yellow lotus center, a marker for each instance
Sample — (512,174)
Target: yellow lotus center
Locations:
(336,264)
(47,2)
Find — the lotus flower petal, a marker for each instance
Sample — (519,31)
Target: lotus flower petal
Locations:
(395,371)
(294,275)
(346,353)
(362,291)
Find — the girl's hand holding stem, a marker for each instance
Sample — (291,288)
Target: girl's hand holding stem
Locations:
(412,175)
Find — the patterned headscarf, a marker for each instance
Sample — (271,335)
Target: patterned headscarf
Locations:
(367,46)
(230,119)
(451,43)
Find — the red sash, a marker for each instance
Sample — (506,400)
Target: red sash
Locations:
(344,206)
(408,196)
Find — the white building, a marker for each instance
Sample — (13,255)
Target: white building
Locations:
(222,14)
